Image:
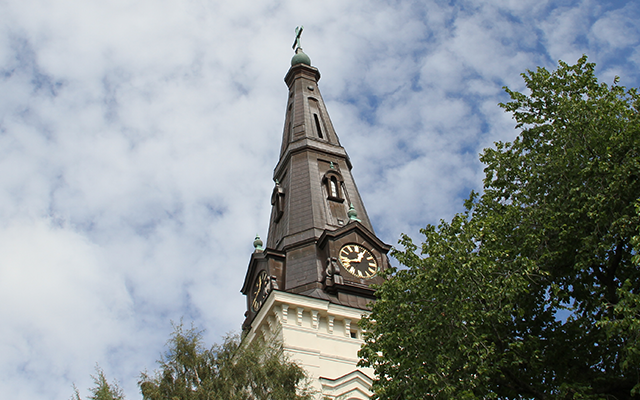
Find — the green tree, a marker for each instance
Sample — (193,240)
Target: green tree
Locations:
(532,292)
(626,325)
(231,371)
(103,390)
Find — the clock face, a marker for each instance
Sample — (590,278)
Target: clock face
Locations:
(261,289)
(358,261)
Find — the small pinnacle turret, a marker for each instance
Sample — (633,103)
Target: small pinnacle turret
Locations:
(352,213)
(257,243)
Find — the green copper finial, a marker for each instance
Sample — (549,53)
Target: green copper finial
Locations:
(257,243)
(352,213)
(299,57)
(332,166)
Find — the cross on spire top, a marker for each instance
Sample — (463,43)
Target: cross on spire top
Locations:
(296,42)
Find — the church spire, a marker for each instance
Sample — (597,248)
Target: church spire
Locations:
(314,169)
(312,282)
(320,242)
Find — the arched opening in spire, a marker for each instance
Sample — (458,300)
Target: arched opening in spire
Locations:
(332,181)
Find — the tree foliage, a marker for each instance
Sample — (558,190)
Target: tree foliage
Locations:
(231,371)
(626,325)
(103,390)
(533,291)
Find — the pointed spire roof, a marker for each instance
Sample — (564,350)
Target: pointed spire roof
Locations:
(315,186)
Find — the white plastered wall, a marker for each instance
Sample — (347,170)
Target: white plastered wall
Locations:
(319,336)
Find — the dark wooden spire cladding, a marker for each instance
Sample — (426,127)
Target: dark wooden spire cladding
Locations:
(313,247)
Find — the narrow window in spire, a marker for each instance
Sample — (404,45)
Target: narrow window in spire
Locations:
(334,186)
(318,129)
(332,182)
(289,118)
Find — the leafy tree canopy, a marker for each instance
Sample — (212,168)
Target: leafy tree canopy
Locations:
(534,291)
(103,390)
(231,371)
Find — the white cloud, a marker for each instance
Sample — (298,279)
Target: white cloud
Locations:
(618,28)
(61,304)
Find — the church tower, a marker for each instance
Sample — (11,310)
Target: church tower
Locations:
(311,283)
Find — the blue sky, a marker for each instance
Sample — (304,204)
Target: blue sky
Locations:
(138,140)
